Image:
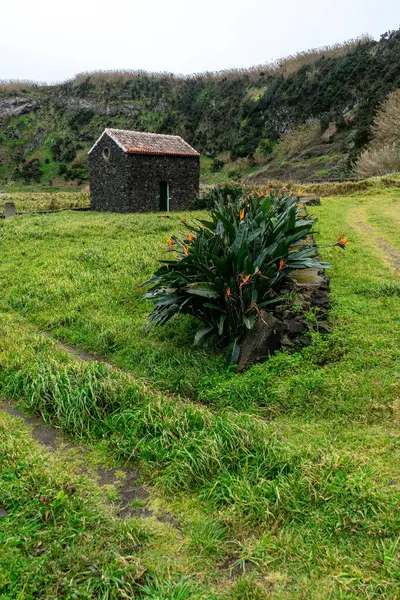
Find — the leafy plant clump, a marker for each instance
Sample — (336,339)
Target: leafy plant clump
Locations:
(223,194)
(231,267)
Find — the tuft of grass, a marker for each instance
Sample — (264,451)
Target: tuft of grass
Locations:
(247,589)
(170,589)
(379,290)
(39,201)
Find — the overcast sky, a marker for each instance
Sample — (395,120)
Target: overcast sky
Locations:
(50,40)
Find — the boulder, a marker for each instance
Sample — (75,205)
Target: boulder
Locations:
(261,341)
(9,209)
(294,326)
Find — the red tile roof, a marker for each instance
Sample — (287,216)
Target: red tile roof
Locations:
(151,143)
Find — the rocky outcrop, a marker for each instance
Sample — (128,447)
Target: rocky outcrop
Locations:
(16,106)
(111,109)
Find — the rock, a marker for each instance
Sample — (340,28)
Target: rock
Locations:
(329,133)
(286,314)
(310,200)
(293,326)
(9,209)
(110,109)
(261,341)
(16,106)
(286,342)
(321,299)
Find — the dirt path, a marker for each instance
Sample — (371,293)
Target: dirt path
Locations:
(132,498)
(389,253)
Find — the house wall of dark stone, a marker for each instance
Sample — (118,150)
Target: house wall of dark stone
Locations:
(128,182)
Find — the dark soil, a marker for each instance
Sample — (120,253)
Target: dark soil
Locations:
(82,355)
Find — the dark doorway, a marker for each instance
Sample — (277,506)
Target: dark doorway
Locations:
(164,196)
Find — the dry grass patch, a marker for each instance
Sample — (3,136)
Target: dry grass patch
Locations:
(378,160)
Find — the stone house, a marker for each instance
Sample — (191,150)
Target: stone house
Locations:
(132,171)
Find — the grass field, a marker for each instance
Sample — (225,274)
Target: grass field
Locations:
(285,480)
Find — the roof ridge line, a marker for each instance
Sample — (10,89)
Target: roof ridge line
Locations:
(145,132)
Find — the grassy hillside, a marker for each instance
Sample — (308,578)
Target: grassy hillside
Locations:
(284,480)
(234,118)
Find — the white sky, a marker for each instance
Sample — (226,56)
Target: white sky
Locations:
(49,40)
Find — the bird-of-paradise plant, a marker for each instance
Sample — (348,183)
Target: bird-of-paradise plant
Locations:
(233,265)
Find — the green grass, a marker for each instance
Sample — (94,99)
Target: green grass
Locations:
(60,539)
(78,276)
(32,201)
(231,171)
(316,160)
(286,478)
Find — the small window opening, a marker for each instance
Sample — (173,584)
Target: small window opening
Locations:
(106,153)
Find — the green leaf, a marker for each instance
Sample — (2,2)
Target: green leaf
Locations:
(202,288)
(201,334)
(249,321)
(213,306)
(272,301)
(234,353)
(221,325)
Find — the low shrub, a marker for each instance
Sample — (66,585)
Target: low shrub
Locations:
(230,267)
(266,146)
(36,201)
(387,122)
(379,160)
(63,149)
(31,171)
(217,165)
(299,138)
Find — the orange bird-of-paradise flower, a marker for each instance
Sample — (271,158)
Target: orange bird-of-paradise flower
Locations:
(227,293)
(255,306)
(282,264)
(342,242)
(186,251)
(245,279)
(182,219)
(170,242)
(300,192)
(190,237)
(242,214)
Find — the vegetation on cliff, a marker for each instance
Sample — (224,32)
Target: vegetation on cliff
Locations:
(235,118)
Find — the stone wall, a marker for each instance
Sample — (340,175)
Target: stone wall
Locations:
(109,187)
(131,182)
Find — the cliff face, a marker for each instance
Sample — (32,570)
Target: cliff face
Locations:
(233,113)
